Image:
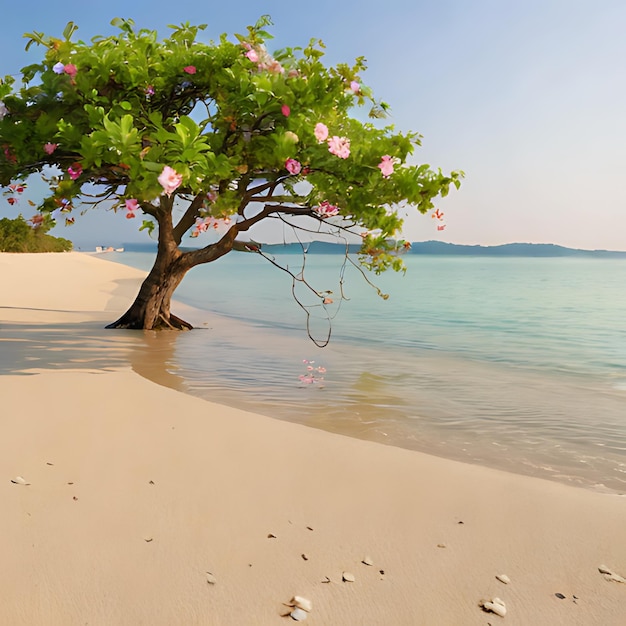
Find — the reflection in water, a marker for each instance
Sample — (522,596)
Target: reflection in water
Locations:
(28,348)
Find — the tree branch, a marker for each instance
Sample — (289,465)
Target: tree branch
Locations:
(188,219)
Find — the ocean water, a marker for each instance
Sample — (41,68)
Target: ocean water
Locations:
(514,363)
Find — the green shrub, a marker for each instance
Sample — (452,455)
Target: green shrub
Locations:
(18,236)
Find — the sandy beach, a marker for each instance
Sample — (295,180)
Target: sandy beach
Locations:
(126,502)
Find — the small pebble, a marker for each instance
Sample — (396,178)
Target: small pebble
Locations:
(271,536)
(560,596)
(305,557)
(210,578)
(326,579)
(298,615)
(348,577)
(441,545)
(503,578)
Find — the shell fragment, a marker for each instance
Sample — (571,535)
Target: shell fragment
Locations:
(496,606)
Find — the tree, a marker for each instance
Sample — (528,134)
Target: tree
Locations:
(217,135)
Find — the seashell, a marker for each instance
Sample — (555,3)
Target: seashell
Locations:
(146,539)
(367,561)
(326,579)
(271,536)
(18,480)
(348,577)
(560,596)
(298,614)
(210,578)
(305,556)
(301,603)
(503,578)
(495,606)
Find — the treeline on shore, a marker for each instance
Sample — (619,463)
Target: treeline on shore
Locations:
(17,235)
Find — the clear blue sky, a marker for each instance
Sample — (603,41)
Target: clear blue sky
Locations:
(528,97)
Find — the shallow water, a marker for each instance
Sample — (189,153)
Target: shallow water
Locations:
(513,363)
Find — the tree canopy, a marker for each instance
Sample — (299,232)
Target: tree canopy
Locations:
(190,136)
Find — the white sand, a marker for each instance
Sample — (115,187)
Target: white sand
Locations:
(92,541)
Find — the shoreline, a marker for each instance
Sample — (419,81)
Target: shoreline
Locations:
(137,491)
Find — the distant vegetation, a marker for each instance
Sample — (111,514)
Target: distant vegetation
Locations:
(19,236)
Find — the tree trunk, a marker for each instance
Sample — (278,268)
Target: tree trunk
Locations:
(151,308)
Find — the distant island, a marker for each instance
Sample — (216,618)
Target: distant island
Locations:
(430,248)
(451,249)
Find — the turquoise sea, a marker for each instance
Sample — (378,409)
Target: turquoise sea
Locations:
(514,363)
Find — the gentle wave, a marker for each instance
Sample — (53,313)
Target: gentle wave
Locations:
(514,363)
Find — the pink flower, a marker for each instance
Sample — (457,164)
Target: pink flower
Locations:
(49,148)
(386,166)
(325,209)
(149,91)
(339,146)
(355,87)
(275,67)
(75,170)
(170,180)
(253,56)
(190,69)
(70,69)
(293,166)
(285,110)
(321,132)
(131,206)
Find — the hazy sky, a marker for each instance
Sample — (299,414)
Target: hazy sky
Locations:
(528,97)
